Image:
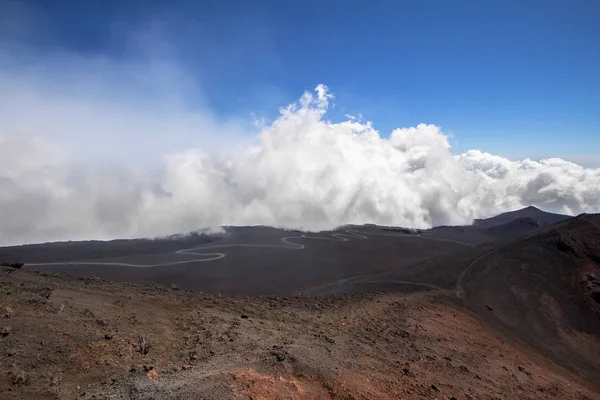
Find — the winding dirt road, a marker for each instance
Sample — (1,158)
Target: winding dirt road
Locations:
(287,241)
(205,254)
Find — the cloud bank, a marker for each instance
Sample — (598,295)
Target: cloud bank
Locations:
(301,171)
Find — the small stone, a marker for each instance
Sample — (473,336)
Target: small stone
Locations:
(19,378)
(7,312)
(174,286)
(87,313)
(56,380)
(144,347)
(523,370)
(153,375)
(434,388)
(108,336)
(5,331)
(187,367)
(101,321)
(243,316)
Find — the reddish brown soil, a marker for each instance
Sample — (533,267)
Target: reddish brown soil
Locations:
(80,338)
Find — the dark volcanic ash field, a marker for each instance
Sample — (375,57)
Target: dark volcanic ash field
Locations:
(266,261)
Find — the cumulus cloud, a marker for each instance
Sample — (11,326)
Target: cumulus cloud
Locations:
(301,171)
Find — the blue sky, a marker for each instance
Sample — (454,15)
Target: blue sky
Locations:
(514,78)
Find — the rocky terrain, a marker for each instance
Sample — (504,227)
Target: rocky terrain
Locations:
(516,318)
(66,338)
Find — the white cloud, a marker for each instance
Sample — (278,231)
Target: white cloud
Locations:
(300,171)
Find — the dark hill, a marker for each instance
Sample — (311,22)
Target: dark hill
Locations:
(503,225)
(545,288)
(514,227)
(530,213)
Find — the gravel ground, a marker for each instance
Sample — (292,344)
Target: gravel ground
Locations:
(64,337)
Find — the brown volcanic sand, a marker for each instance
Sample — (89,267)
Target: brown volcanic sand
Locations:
(78,338)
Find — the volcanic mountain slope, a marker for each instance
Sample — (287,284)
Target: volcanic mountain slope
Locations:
(64,338)
(97,249)
(514,227)
(257,260)
(265,261)
(467,327)
(545,288)
(532,213)
(507,224)
(542,287)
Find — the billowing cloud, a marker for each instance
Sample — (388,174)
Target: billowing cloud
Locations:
(301,171)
